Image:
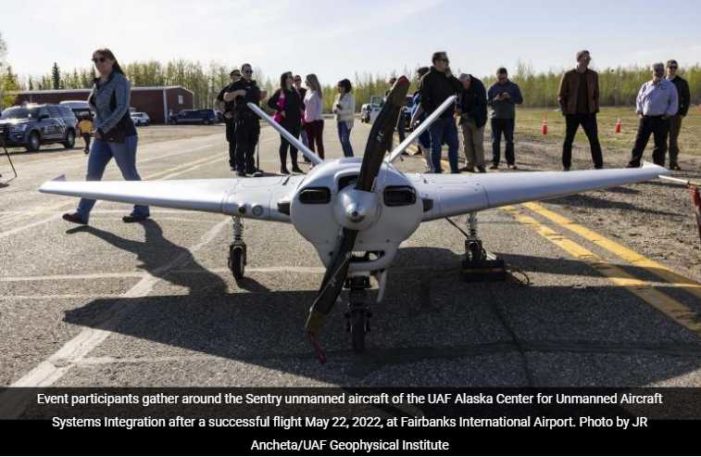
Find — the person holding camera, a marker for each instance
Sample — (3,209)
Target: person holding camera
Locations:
(115,134)
(344,109)
(502,97)
(434,88)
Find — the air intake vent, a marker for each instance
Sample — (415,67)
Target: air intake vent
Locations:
(399,196)
(315,195)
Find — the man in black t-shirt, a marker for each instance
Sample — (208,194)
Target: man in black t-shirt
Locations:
(227,107)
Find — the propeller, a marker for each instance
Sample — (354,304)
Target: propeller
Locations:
(378,143)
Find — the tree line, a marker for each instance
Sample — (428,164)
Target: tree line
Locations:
(618,86)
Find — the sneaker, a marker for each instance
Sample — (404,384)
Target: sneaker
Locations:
(494,167)
(675,167)
(255,173)
(75,218)
(133,218)
(296,169)
(468,169)
(513,166)
(284,171)
(481,170)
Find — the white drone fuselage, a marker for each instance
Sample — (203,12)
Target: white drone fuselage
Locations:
(326,201)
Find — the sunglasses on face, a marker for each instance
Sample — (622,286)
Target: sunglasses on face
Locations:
(99,59)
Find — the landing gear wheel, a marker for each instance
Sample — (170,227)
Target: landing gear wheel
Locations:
(237,260)
(358,329)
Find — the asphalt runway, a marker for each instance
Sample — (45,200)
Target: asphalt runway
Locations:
(153,304)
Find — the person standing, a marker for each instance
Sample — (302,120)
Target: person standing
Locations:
(227,107)
(472,107)
(579,102)
(313,120)
(247,124)
(503,96)
(417,116)
(302,92)
(115,134)
(675,122)
(435,87)
(85,127)
(344,108)
(656,103)
(288,113)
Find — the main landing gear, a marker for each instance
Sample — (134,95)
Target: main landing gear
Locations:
(237,250)
(479,264)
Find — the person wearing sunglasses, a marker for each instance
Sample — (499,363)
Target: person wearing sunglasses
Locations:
(656,103)
(435,87)
(287,104)
(114,136)
(227,107)
(247,122)
(675,122)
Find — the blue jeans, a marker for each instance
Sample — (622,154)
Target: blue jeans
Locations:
(344,136)
(100,154)
(444,129)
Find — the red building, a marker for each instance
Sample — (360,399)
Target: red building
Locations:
(157,102)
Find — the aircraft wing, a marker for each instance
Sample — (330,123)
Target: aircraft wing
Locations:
(255,198)
(452,195)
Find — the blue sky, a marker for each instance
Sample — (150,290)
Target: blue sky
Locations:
(337,39)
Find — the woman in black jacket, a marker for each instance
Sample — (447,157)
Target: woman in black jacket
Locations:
(287,103)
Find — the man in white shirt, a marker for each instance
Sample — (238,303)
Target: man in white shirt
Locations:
(657,102)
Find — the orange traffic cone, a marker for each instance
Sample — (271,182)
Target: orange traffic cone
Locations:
(618,126)
(544,127)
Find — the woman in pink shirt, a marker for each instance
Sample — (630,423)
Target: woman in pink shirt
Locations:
(313,121)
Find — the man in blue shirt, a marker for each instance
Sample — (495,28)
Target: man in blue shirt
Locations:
(657,102)
(503,97)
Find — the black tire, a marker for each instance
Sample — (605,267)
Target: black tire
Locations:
(33,142)
(70,140)
(358,330)
(237,261)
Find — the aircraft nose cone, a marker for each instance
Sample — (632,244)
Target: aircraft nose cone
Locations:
(355,214)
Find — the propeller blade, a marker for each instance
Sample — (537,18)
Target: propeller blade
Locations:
(332,283)
(381,134)
(378,142)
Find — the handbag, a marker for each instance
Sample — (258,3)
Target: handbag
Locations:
(125,126)
(280,108)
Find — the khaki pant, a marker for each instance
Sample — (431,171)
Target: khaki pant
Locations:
(473,143)
(675,125)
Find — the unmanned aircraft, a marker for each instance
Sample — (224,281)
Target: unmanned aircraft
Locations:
(354,211)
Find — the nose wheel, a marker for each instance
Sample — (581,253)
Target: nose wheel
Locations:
(358,314)
(237,251)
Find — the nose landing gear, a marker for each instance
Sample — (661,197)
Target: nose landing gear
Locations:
(358,314)
(237,250)
(479,264)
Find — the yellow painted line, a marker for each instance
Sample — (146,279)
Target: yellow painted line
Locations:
(667,305)
(620,251)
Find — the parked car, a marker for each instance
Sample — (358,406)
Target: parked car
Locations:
(140,118)
(196,116)
(33,125)
(369,111)
(80,108)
